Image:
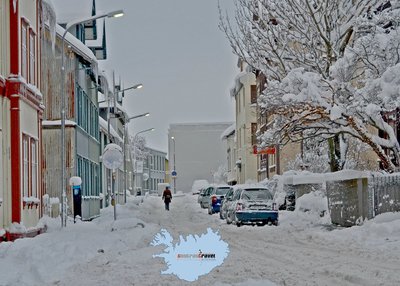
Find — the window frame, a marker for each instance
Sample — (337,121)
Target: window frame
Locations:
(24,48)
(34,165)
(25,166)
(31,56)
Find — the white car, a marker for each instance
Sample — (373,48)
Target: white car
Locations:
(204,197)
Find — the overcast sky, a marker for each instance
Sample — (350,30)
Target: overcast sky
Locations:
(173,47)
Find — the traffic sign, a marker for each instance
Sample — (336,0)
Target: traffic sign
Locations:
(173,174)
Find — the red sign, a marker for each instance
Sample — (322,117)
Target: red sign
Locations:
(268,150)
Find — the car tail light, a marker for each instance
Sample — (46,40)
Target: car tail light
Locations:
(239,207)
(213,199)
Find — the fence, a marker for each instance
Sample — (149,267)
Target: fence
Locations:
(90,207)
(362,196)
(353,196)
(386,193)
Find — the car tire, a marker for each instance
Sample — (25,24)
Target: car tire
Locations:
(276,223)
(228,219)
(235,220)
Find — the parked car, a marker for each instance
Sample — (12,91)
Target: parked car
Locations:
(252,205)
(198,185)
(215,198)
(289,202)
(201,194)
(225,203)
(204,197)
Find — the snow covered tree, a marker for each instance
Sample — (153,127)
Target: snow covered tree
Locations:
(332,69)
(138,148)
(219,176)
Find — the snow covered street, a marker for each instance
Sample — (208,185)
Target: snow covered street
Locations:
(302,250)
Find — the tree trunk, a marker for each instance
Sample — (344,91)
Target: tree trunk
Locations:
(332,155)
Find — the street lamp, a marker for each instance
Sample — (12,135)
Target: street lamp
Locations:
(136,86)
(134,153)
(125,132)
(69,25)
(173,173)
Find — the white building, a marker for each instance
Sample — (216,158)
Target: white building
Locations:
(245,94)
(229,136)
(195,152)
(154,167)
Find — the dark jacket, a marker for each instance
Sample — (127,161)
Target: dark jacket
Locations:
(167,196)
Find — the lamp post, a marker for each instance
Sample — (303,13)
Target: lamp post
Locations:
(134,153)
(174,176)
(69,25)
(125,133)
(136,86)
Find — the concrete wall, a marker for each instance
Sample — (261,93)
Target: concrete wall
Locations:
(199,151)
(348,201)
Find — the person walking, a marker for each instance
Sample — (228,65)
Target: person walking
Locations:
(167,197)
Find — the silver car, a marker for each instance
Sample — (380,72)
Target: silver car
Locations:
(215,198)
(253,205)
(225,204)
(204,197)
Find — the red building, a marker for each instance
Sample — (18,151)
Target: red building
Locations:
(20,117)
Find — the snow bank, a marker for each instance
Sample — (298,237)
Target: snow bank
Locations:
(382,231)
(17,228)
(313,202)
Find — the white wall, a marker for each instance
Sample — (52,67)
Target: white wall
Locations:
(29,120)
(199,152)
(4,38)
(1,180)
(245,115)
(5,163)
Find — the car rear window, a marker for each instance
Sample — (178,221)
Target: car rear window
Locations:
(256,194)
(222,191)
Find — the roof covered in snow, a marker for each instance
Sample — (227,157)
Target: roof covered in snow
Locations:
(104,127)
(77,46)
(229,131)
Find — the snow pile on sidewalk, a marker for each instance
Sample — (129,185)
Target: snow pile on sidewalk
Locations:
(312,202)
(382,232)
(108,252)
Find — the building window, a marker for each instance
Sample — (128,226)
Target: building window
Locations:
(34,167)
(90,173)
(253,134)
(253,94)
(32,57)
(87,113)
(80,33)
(29,167)
(24,49)
(272,161)
(25,170)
